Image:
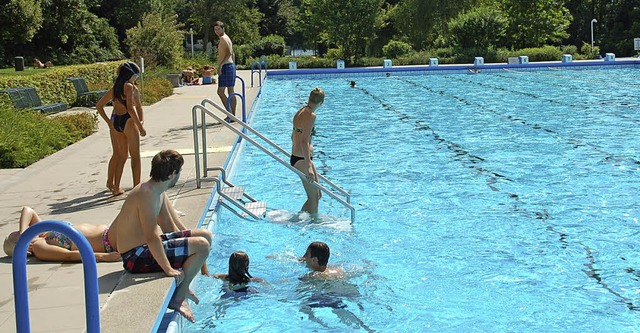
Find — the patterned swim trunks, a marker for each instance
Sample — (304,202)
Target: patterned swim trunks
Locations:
(140,260)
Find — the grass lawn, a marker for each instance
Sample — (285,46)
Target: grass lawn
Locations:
(27,71)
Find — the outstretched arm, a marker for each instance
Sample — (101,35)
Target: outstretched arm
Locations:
(48,252)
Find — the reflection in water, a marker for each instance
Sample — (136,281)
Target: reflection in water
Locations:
(318,295)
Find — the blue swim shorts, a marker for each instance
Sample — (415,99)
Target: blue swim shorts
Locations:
(227,75)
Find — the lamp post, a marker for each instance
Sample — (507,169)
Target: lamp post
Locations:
(191,31)
(592,22)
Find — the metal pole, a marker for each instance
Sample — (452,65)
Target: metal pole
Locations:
(592,22)
(191,31)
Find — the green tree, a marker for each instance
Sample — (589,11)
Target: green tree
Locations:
(68,28)
(348,24)
(482,27)
(424,22)
(158,39)
(536,23)
(19,20)
(241,19)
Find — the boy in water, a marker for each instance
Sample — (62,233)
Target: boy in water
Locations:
(316,259)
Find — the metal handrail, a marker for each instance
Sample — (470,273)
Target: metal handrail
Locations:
(274,145)
(20,288)
(257,145)
(204,129)
(259,70)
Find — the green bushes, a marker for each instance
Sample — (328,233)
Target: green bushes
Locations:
(272,44)
(157,39)
(395,49)
(28,136)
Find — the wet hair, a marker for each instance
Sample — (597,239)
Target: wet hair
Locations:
(316,96)
(219,24)
(321,251)
(239,268)
(125,72)
(353,83)
(165,163)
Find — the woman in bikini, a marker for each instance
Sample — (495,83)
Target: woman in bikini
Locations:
(302,150)
(55,246)
(125,134)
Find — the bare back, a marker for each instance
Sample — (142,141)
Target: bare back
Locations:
(134,217)
(225,50)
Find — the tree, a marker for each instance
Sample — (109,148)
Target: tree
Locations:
(482,27)
(158,39)
(240,17)
(534,24)
(348,24)
(71,34)
(19,20)
(424,22)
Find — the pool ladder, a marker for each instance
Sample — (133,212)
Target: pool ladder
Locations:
(346,201)
(235,196)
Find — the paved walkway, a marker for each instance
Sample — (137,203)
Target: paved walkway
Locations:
(70,185)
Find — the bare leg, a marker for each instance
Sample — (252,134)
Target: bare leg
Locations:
(121,159)
(113,161)
(233,100)
(313,194)
(198,252)
(223,97)
(133,140)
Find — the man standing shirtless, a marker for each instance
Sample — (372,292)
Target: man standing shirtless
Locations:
(139,226)
(226,68)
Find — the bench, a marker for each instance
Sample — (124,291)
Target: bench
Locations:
(83,93)
(27,98)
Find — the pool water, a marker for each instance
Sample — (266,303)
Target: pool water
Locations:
(500,201)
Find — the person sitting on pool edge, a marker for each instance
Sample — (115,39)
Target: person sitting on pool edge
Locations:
(316,258)
(56,246)
(238,277)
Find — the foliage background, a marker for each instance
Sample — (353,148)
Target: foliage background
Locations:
(88,31)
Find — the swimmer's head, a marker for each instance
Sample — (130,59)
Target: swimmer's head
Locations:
(239,268)
(317,253)
(353,84)
(388,74)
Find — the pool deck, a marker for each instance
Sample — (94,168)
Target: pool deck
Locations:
(70,185)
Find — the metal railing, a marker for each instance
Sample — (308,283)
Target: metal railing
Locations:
(242,134)
(20,288)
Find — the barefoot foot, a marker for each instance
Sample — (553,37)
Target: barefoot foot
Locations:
(183,309)
(117,192)
(193,297)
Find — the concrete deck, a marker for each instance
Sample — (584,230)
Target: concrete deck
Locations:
(70,185)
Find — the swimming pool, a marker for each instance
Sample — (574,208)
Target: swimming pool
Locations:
(501,201)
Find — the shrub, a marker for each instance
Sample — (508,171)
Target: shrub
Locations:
(482,27)
(395,49)
(588,52)
(334,54)
(155,88)
(272,44)
(28,136)
(157,39)
(545,53)
(243,52)
(569,49)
